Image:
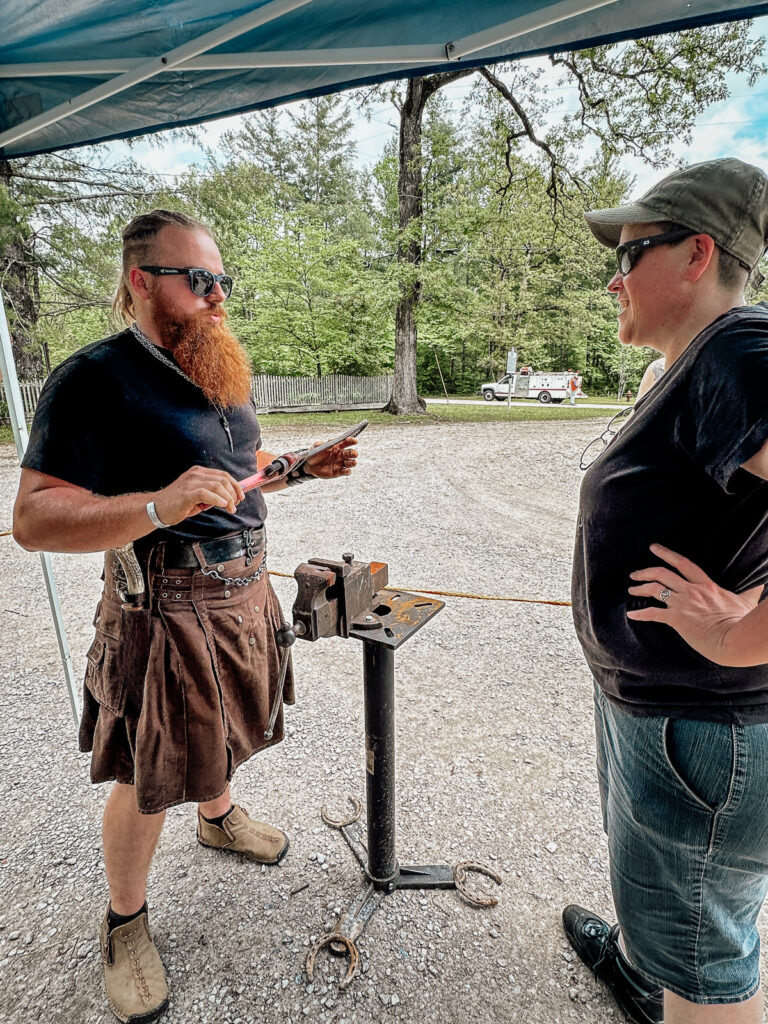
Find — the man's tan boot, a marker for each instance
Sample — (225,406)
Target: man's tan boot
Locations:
(240,834)
(134,976)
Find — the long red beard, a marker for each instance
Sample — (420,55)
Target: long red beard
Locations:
(209,354)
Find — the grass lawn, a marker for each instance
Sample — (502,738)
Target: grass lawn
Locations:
(436,414)
(603,398)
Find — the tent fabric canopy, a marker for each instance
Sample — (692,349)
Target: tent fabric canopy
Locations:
(93,70)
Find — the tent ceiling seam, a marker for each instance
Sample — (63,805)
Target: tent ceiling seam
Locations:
(148,69)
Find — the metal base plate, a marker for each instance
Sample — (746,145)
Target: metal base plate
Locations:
(394,616)
(342,940)
(426,876)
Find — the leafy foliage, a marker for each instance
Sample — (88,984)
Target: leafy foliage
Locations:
(496,255)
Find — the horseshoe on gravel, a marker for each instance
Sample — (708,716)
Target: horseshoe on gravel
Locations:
(357,810)
(326,940)
(460,878)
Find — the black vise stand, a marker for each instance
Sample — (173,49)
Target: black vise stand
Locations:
(346,599)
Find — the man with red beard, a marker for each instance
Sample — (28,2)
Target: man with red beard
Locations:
(142,438)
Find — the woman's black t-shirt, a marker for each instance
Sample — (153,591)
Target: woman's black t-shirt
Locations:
(116,420)
(673,476)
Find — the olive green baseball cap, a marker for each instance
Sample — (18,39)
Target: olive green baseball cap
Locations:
(726,199)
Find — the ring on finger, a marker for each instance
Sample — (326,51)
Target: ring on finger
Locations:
(664,595)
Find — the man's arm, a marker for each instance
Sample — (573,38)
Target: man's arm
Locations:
(53,515)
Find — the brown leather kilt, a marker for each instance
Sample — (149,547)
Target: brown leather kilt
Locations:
(178,693)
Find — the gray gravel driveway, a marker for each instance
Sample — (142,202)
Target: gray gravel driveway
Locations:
(495,763)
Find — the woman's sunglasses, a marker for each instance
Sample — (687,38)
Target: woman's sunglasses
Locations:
(629,253)
(202,282)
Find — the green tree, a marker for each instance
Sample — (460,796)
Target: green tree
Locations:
(298,238)
(261,140)
(635,97)
(56,251)
(325,175)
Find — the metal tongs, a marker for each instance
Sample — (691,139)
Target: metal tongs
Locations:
(280,467)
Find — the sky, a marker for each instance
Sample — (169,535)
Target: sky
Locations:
(736,127)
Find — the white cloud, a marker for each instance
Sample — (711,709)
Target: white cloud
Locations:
(728,129)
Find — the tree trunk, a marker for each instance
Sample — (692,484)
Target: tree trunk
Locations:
(21,295)
(405,398)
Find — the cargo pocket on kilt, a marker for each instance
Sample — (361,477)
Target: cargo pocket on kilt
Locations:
(103,676)
(245,667)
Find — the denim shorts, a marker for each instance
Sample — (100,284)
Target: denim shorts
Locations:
(685,809)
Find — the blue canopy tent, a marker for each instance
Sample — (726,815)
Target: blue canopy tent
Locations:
(91,70)
(88,71)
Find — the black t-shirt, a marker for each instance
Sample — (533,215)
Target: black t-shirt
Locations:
(114,419)
(672,476)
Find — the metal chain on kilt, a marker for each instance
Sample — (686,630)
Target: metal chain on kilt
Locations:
(238,582)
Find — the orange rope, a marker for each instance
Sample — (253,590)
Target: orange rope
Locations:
(460,593)
(434,593)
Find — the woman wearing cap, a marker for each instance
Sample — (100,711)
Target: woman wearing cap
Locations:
(682,742)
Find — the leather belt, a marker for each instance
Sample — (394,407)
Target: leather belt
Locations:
(181,555)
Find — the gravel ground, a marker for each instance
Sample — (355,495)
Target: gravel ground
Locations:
(495,764)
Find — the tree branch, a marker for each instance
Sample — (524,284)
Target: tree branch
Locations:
(556,169)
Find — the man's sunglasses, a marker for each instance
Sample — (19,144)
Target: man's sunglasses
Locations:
(202,282)
(629,253)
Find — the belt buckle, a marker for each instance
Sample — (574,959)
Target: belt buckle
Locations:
(248,541)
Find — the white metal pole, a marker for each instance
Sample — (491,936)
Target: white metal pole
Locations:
(422,53)
(540,18)
(21,437)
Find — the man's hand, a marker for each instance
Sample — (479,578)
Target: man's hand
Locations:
(337,461)
(195,490)
(705,615)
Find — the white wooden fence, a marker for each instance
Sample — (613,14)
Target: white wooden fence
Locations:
(336,391)
(271,394)
(30,392)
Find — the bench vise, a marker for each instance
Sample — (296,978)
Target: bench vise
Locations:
(334,597)
(351,599)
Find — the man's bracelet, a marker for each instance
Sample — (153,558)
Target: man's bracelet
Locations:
(155,518)
(299,476)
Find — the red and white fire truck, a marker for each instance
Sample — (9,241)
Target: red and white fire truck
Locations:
(544,387)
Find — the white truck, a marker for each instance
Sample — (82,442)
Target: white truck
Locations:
(544,387)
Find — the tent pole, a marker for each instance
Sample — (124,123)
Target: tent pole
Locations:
(531,22)
(21,437)
(426,53)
